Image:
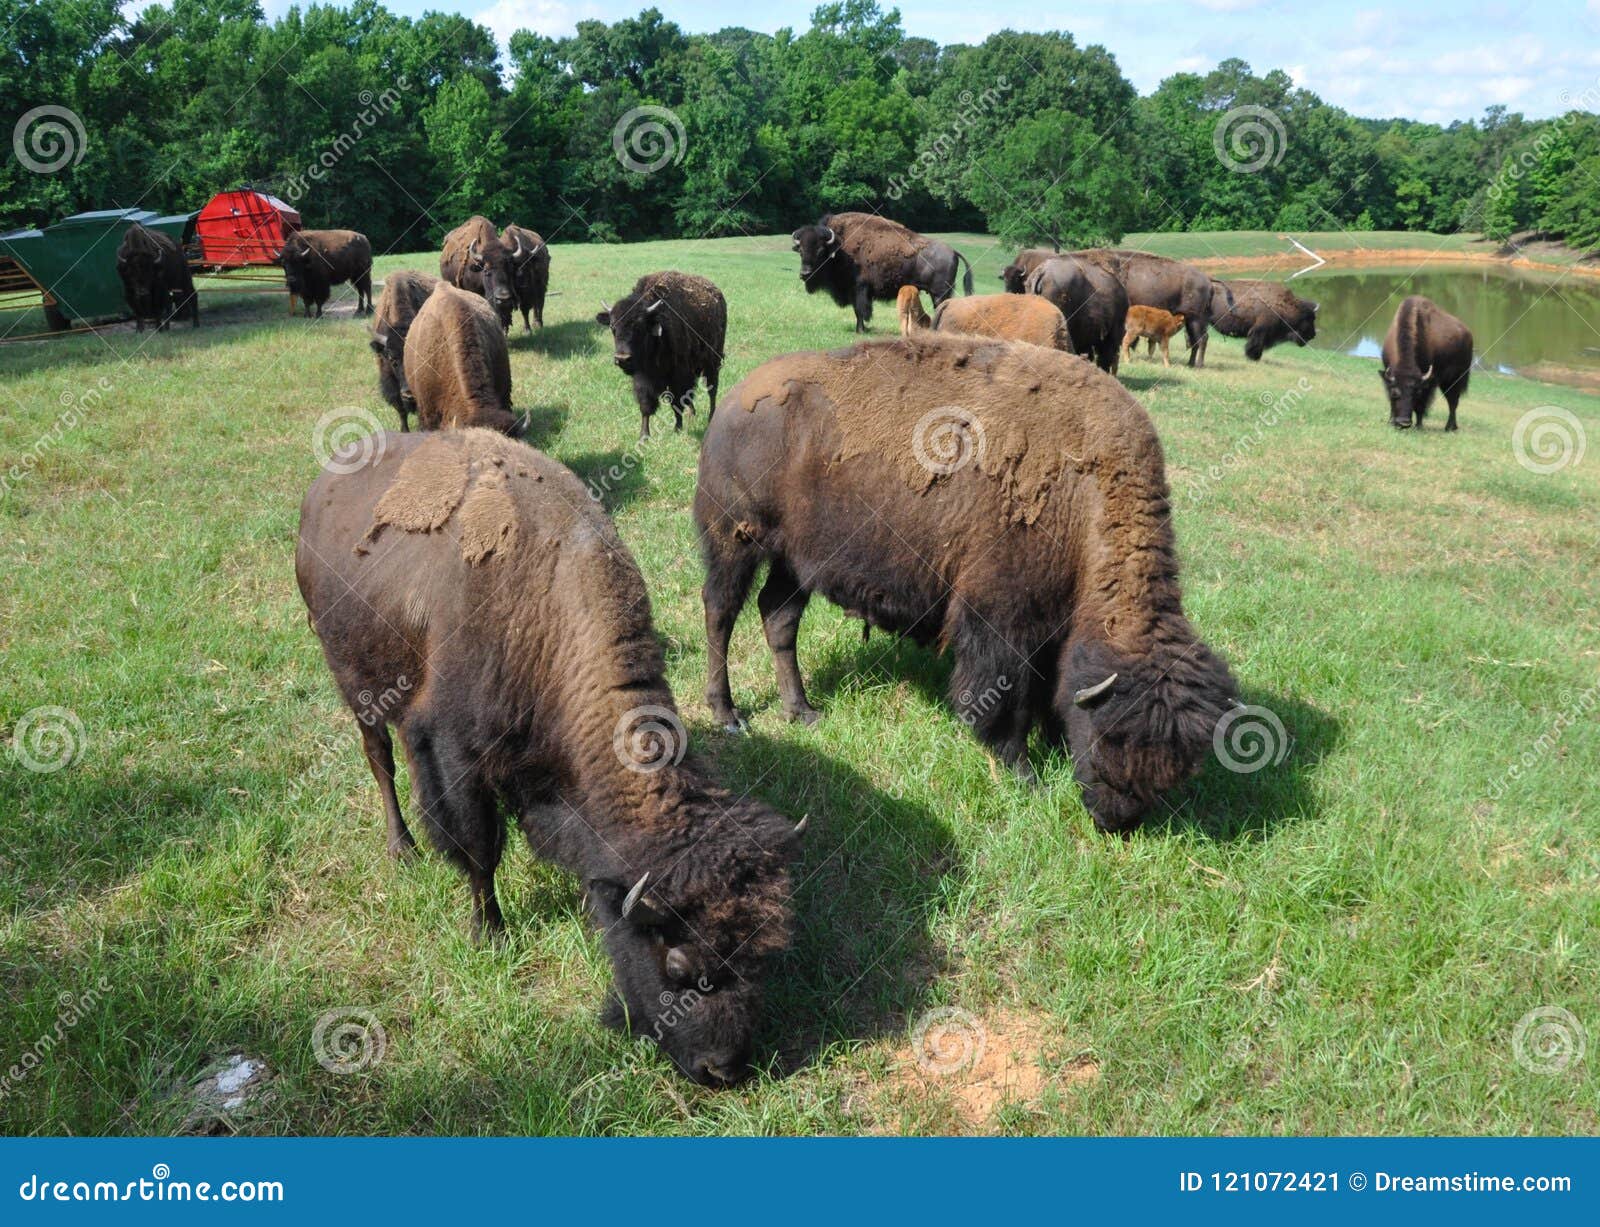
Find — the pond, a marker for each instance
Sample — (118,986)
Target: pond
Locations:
(1526,322)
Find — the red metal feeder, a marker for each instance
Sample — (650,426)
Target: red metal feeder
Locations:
(243,227)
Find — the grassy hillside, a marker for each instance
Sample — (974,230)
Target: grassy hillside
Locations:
(1344,940)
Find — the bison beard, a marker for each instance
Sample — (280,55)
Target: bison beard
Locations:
(506,632)
(1073,622)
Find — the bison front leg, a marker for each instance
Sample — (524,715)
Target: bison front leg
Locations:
(648,396)
(782,601)
(461,817)
(863,306)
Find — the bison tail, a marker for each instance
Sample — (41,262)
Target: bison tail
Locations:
(966,281)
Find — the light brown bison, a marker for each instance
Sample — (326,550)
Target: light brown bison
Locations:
(404,292)
(884,476)
(530,271)
(1265,313)
(1426,349)
(474,259)
(156,281)
(1092,300)
(1006,317)
(1015,274)
(667,335)
(456,363)
(469,593)
(314,261)
(912,315)
(861,257)
(1155,281)
(1151,324)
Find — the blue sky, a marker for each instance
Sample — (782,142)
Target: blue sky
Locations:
(1428,59)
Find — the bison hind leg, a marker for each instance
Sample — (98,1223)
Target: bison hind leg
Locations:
(379,749)
(731,561)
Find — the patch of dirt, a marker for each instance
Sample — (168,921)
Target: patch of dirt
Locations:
(1369,257)
(961,1070)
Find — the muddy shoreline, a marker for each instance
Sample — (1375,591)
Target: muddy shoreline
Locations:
(1376,257)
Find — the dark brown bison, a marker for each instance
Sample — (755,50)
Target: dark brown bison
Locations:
(861,257)
(1092,300)
(1006,502)
(156,281)
(474,259)
(1006,317)
(530,271)
(1155,281)
(1015,274)
(666,335)
(404,292)
(1427,348)
(1265,313)
(468,592)
(314,261)
(456,363)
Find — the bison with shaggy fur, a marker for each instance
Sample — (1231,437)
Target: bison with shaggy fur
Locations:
(530,271)
(456,363)
(156,281)
(1265,313)
(314,261)
(1007,503)
(1006,317)
(1093,302)
(860,257)
(1426,350)
(474,259)
(1155,281)
(667,335)
(404,292)
(1015,274)
(470,594)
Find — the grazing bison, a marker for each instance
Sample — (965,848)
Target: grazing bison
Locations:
(1006,317)
(1092,300)
(530,271)
(666,335)
(156,281)
(404,292)
(1151,324)
(882,477)
(912,315)
(1015,274)
(314,261)
(473,586)
(456,363)
(474,259)
(1265,313)
(1155,281)
(1427,348)
(859,257)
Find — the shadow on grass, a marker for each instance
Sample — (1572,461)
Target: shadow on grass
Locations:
(540,424)
(564,340)
(615,477)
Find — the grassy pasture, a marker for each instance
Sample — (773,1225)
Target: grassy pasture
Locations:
(1345,940)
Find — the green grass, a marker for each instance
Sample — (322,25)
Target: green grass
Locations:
(1343,942)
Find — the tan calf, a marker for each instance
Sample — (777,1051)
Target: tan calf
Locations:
(912,316)
(1153,325)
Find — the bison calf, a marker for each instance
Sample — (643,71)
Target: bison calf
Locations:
(404,292)
(1426,348)
(913,318)
(1006,317)
(1008,504)
(1150,324)
(472,585)
(314,261)
(156,280)
(456,363)
(667,335)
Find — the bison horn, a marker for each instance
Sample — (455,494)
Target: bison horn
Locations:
(473,248)
(655,306)
(1315,307)
(1089,694)
(632,899)
(827,230)
(1428,374)
(800,827)
(605,306)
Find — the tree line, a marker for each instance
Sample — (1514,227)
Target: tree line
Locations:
(637,129)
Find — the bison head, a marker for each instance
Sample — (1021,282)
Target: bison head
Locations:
(638,326)
(390,348)
(492,262)
(689,943)
(1013,276)
(817,246)
(1408,391)
(140,270)
(1304,324)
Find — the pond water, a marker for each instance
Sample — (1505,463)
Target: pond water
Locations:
(1538,324)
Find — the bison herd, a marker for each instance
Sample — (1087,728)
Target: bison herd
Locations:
(982,484)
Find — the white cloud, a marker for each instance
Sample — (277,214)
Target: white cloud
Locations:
(548,17)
